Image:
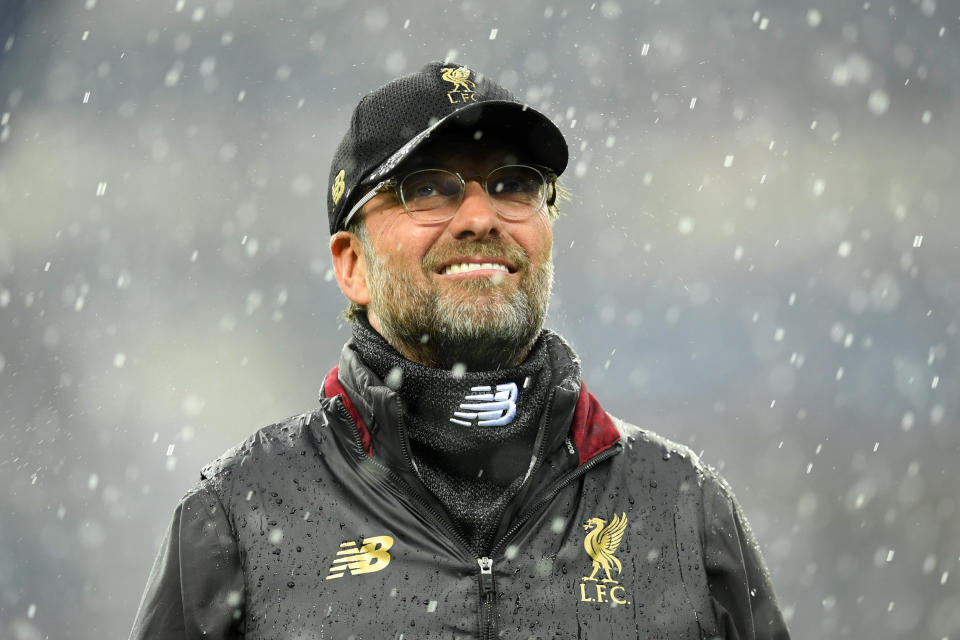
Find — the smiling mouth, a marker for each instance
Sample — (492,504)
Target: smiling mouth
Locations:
(467,267)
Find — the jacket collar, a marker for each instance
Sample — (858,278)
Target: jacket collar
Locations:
(574,412)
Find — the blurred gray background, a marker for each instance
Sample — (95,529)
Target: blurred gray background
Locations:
(760,260)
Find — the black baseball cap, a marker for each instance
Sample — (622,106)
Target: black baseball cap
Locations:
(443,98)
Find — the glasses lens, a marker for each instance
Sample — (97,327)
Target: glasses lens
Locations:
(431,193)
(516,191)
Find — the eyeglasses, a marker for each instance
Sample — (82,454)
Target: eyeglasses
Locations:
(515,191)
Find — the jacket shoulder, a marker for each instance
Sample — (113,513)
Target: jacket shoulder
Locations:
(643,442)
(271,439)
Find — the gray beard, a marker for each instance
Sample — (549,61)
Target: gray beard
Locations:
(441,330)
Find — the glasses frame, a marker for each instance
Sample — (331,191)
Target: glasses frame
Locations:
(394,183)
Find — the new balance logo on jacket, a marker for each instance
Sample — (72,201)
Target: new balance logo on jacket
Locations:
(373,555)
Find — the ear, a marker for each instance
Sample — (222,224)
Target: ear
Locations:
(350,267)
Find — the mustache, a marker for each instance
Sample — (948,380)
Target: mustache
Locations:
(492,248)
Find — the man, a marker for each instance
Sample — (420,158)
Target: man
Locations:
(457,480)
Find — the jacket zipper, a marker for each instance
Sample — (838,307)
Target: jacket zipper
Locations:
(488,599)
(488,592)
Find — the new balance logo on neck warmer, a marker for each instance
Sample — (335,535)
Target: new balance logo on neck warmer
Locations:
(489,407)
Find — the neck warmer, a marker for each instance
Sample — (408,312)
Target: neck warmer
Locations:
(471,435)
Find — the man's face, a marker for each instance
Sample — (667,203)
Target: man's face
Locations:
(485,318)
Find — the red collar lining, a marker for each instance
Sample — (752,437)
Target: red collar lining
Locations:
(331,388)
(593,431)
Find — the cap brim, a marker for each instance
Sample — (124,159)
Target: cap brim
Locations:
(531,132)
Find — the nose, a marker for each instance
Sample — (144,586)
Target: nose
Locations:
(476,218)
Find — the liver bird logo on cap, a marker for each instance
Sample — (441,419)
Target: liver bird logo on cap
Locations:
(460,77)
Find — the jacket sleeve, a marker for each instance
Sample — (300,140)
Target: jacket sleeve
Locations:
(195,588)
(743,600)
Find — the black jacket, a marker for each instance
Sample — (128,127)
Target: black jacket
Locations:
(319,527)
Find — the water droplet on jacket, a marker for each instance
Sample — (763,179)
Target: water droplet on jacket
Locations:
(290,584)
(653,484)
(666,455)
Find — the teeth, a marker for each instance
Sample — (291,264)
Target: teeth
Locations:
(464,267)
